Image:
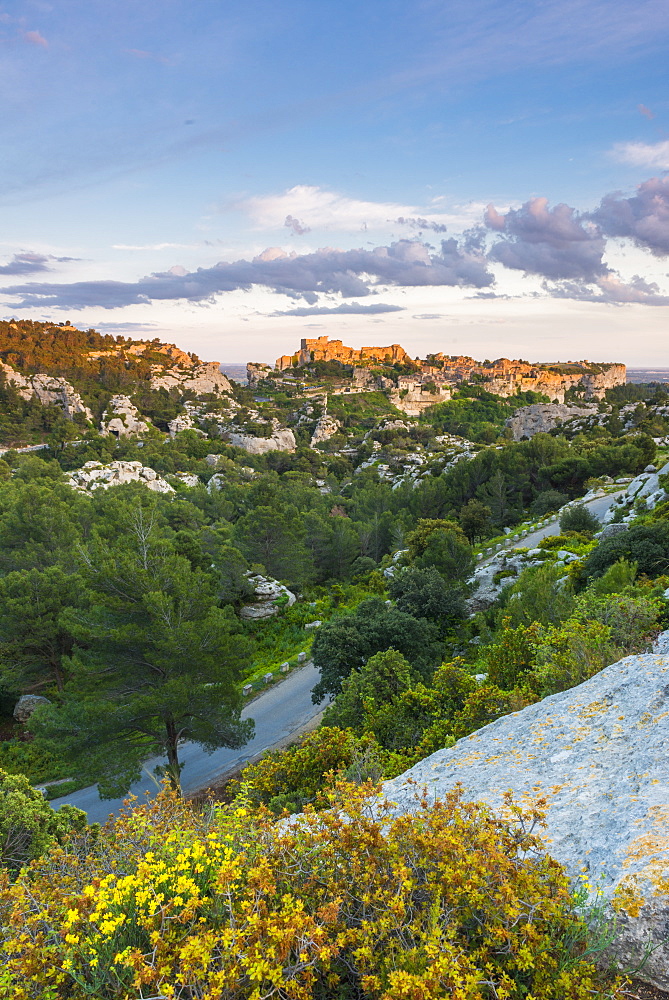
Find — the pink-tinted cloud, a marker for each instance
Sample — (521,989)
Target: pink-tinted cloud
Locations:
(35,38)
(643,218)
(556,243)
(297,227)
(646,112)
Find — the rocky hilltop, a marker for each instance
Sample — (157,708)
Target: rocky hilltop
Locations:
(423,383)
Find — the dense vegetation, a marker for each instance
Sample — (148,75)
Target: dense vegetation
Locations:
(121,607)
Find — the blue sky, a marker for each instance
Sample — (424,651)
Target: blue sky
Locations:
(488,178)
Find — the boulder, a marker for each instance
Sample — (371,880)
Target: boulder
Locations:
(266,592)
(204,379)
(281,439)
(27,704)
(610,530)
(598,755)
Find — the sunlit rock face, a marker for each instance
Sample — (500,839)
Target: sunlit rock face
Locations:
(94,476)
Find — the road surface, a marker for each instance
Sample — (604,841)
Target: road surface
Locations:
(598,506)
(282,710)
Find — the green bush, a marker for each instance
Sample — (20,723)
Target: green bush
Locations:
(28,824)
(645,544)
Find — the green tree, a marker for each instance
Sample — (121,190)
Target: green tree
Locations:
(157,662)
(547,502)
(578,518)
(424,593)
(647,545)
(275,537)
(345,643)
(475,519)
(441,544)
(378,682)
(33,640)
(497,494)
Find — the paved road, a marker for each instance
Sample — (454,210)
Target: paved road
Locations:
(598,506)
(280,711)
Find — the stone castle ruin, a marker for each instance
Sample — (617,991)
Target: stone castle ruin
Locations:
(324,349)
(442,373)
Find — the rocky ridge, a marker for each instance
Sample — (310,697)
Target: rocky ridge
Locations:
(543,417)
(644,492)
(281,439)
(49,390)
(201,379)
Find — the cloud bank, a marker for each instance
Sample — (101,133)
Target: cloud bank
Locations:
(349,273)
(564,248)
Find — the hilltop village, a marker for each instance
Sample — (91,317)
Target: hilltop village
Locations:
(416,384)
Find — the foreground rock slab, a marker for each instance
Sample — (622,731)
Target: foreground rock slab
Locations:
(599,755)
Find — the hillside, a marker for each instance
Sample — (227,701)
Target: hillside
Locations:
(179,542)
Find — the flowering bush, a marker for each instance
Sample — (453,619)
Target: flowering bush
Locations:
(352,902)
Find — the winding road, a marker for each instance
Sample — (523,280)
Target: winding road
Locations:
(282,711)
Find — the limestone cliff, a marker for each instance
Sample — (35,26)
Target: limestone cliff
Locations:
(122,419)
(324,349)
(49,390)
(543,417)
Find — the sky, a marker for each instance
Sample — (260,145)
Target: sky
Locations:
(479,177)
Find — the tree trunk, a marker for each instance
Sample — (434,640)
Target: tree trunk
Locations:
(173,768)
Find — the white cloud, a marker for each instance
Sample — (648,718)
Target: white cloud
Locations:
(312,207)
(653,156)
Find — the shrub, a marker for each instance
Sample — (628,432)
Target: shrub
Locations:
(28,824)
(547,502)
(616,579)
(512,655)
(539,595)
(632,618)
(424,593)
(352,902)
(292,778)
(569,654)
(578,518)
(645,544)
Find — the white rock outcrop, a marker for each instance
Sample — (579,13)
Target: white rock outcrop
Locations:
(644,488)
(95,476)
(598,755)
(27,704)
(281,439)
(48,389)
(543,417)
(200,379)
(122,419)
(326,427)
(266,591)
